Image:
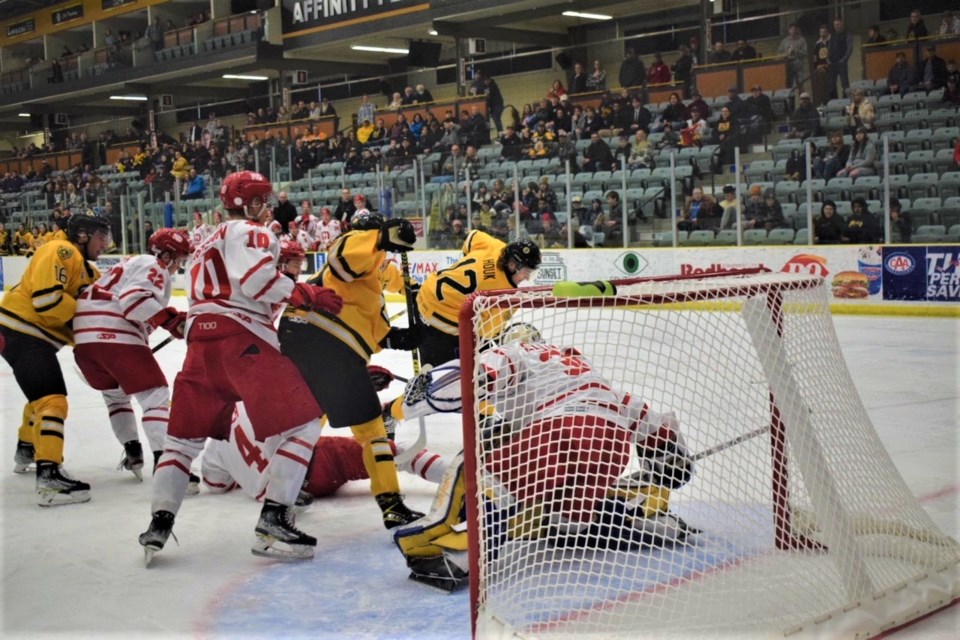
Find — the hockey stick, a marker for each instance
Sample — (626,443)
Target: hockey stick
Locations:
(421,441)
(706,453)
(163,343)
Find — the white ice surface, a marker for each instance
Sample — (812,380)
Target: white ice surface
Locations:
(77,571)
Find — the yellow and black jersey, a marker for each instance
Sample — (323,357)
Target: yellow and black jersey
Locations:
(353,270)
(24,239)
(59,234)
(391,278)
(443,292)
(44,302)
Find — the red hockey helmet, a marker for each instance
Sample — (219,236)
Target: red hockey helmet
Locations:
(291,250)
(241,189)
(174,241)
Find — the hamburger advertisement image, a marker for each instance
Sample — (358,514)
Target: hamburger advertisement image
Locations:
(850,284)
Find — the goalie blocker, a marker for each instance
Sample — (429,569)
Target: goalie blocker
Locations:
(577,449)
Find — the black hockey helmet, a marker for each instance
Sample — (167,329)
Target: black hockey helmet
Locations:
(88,222)
(524,252)
(364,220)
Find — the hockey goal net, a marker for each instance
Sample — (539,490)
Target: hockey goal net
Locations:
(804,524)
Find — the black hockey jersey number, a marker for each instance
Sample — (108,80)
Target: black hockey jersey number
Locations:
(454,277)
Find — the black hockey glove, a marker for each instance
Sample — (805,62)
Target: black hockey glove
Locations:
(403,339)
(397,234)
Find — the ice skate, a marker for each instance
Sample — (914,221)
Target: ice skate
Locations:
(438,572)
(56,487)
(278,538)
(23,458)
(304,500)
(132,459)
(395,512)
(153,539)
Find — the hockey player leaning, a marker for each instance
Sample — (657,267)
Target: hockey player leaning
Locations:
(556,464)
(232,344)
(35,319)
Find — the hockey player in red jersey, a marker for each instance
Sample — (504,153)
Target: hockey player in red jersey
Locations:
(551,408)
(232,348)
(114,320)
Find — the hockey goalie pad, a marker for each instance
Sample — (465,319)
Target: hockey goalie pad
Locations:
(621,526)
(434,391)
(421,538)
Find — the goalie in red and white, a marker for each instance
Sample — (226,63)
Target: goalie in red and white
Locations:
(558,438)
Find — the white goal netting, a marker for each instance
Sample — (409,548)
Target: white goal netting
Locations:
(797,521)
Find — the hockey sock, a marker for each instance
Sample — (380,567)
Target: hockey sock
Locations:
(288,466)
(156,413)
(122,419)
(27,433)
(377,456)
(427,464)
(171,475)
(50,412)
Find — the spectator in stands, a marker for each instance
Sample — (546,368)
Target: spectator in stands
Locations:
(641,152)
(771,213)
(951,95)
(423,95)
(805,119)
(933,71)
(556,89)
(327,110)
(396,101)
(597,80)
(860,113)
(673,112)
(744,51)
(366,110)
(863,157)
(409,97)
(862,226)
(693,130)
(299,112)
(900,77)
(719,55)
(283,115)
(916,29)
(380,133)
(794,48)
(730,205)
(697,207)
(738,108)
(284,212)
(726,135)
(831,159)
(169,26)
(637,117)
(597,156)
(566,150)
(820,75)
(759,106)
(485,85)
(949,24)
(578,81)
(828,227)
(683,69)
(181,166)
(475,129)
(900,221)
(631,69)
(952,72)
(874,36)
(364,131)
(840,49)
(194,187)
(659,72)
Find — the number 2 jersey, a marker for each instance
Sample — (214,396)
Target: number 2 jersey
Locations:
(443,292)
(234,274)
(44,301)
(116,308)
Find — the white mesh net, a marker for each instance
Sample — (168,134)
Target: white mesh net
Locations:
(796,518)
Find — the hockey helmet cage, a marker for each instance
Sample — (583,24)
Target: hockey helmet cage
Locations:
(524,252)
(240,189)
(522,332)
(291,250)
(173,241)
(364,220)
(88,222)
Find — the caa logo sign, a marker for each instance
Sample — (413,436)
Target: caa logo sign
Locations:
(900,264)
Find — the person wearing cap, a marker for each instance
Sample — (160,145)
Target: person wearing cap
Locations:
(578,210)
(759,105)
(862,226)
(730,205)
(805,119)
(794,48)
(566,149)
(863,157)
(933,70)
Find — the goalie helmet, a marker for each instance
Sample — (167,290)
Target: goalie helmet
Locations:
(364,220)
(524,252)
(520,332)
(242,189)
(172,241)
(88,222)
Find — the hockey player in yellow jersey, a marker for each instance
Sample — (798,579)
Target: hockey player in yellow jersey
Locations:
(332,351)
(487,264)
(35,319)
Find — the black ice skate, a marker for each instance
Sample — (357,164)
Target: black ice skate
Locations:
(278,538)
(395,513)
(438,572)
(132,459)
(23,458)
(56,487)
(304,500)
(153,539)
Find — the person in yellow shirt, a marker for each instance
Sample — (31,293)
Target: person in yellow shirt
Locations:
(35,322)
(181,167)
(332,351)
(5,240)
(56,233)
(23,241)
(364,131)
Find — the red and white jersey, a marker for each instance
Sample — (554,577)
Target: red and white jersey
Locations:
(199,233)
(529,382)
(304,239)
(327,232)
(115,309)
(234,273)
(308,223)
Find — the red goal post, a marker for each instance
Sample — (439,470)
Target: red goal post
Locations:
(726,351)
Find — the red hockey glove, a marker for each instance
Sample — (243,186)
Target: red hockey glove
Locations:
(311,296)
(379,376)
(172,320)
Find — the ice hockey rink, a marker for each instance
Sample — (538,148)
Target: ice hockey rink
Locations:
(77,571)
